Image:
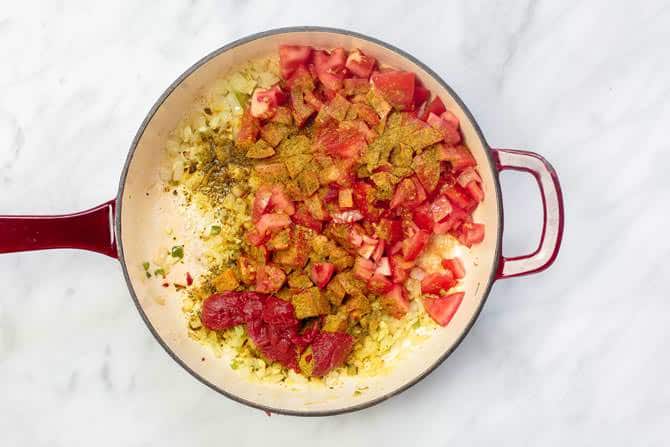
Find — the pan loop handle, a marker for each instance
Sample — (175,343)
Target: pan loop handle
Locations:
(552,205)
(92,230)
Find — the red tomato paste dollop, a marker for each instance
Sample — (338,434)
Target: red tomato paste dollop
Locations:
(272,325)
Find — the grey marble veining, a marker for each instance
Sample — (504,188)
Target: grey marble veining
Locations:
(574,356)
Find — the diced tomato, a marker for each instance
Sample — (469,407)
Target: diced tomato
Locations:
(279,201)
(420,194)
(434,283)
(261,202)
(321,273)
(379,284)
(347,216)
(468,175)
(395,301)
(471,233)
(249,129)
(399,268)
(440,208)
(427,170)
(360,64)
(342,142)
(383,267)
(421,95)
(450,118)
(414,245)
(269,278)
(330,68)
(453,221)
(247,269)
(379,251)
(363,268)
(458,156)
(460,197)
(291,57)
(272,222)
(442,309)
(450,133)
(404,192)
(264,102)
(304,218)
(436,106)
(475,191)
(256,237)
(366,249)
(390,230)
(455,265)
(363,200)
(423,218)
(397,87)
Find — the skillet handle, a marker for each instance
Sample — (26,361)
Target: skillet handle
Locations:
(552,204)
(92,230)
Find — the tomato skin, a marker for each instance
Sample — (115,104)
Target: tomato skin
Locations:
(414,245)
(455,265)
(321,273)
(360,64)
(397,87)
(434,283)
(436,106)
(291,57)
(269,278)
(442,309)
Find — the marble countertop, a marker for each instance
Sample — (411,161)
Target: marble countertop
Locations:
(574,356)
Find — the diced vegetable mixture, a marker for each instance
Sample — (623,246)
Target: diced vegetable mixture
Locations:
(345,170)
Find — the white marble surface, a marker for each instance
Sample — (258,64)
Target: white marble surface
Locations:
(574,356)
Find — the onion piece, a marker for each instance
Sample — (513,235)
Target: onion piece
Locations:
(417,273)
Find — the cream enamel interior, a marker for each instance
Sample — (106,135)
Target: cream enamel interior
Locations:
(146,212)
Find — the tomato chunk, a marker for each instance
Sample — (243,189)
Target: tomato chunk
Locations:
(249,129)
(435,283)
(456,267)
(342,142)
(360,64)
(436,107)
(269,278)
(291,57)
(421,95)
(321,273)
(330,68)
(414,245)
(450,133)
(272,222)
(379,284)
(303,217)
(363,268)
(264,102)
(397,87)
(458,156)
(442,309)
(395,301)
(423,217)
(471,233)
